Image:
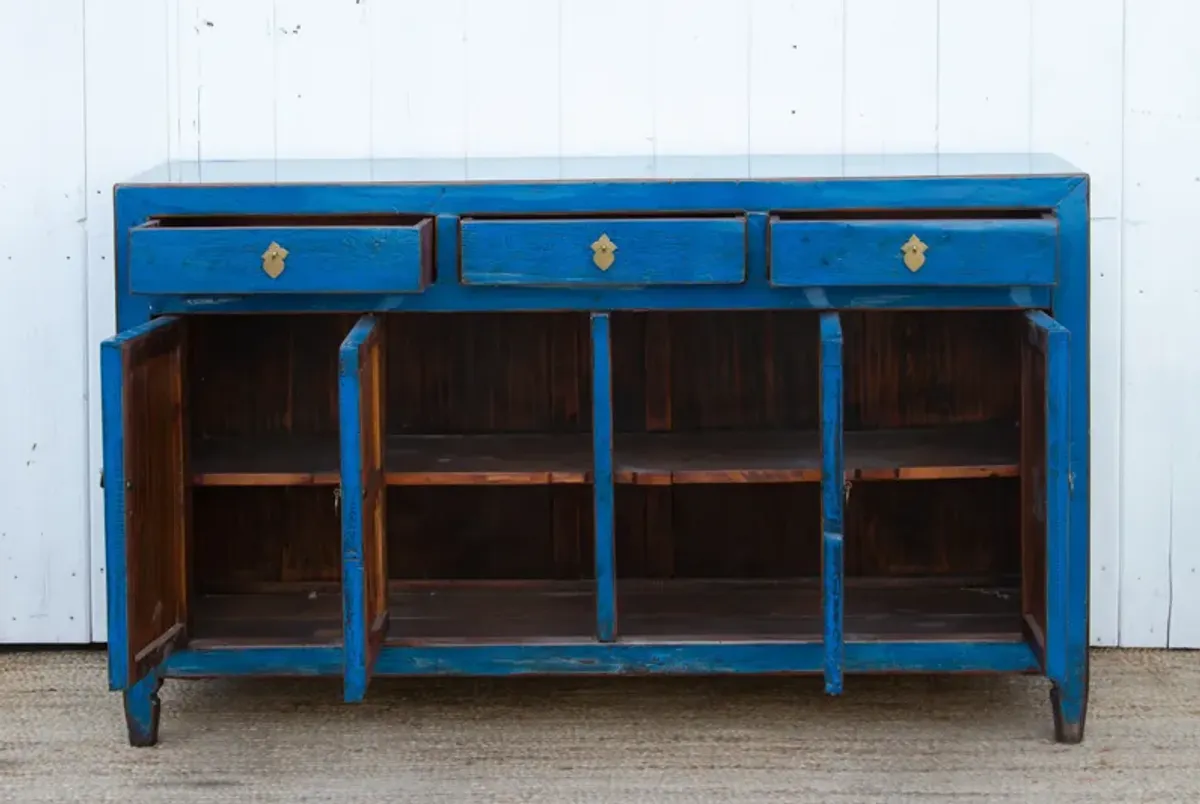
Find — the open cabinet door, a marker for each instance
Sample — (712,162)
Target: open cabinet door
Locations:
(361,390)
(146,496)
(1045,488)
(833,484)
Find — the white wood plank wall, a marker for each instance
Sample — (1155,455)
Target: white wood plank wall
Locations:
(94,90)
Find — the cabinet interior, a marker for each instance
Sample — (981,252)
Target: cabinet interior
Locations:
(716,460)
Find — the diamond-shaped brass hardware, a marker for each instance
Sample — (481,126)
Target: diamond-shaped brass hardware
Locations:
(914,253)
(604,252)
(272,260)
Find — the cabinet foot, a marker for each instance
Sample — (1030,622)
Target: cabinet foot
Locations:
(142,710)
(1069,702)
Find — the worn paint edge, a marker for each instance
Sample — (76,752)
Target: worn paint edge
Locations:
(602,479)
(777,658)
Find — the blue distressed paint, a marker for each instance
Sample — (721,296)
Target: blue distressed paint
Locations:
(197,260)
(1070,308)
(833,478)
(142,708)
(593,658)
(449,191)
(830,253)
(354,589)
(299,661)
(112,419)
(648,251)
(602,479)
(832,597)
(753,295)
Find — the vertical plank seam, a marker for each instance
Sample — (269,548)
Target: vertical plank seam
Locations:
(1120,439)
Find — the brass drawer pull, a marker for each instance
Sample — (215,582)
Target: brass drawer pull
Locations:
(914,253)
(604,252)
(272,260)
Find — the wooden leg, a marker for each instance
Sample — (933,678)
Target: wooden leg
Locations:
(142,709)
(1069,701)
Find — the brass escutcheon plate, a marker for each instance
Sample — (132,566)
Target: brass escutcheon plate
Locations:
(604,252)
(914,253)
(272,260)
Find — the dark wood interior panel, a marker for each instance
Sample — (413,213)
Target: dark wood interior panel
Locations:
(260,375)
(718,531)
(465,373)
(490,532)
(918,368)
(252,535)
(156,494)
(724,370)
(942,527)
(467,395)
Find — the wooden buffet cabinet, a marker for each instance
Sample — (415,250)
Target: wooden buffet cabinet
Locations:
(771,415)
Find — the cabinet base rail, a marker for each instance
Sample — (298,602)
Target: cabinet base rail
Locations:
(590,658)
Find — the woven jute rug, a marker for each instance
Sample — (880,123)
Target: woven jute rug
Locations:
(641,740)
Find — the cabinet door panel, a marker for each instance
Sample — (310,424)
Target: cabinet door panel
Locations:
(1045,487)
(146,496)
(361,386)
(833,481)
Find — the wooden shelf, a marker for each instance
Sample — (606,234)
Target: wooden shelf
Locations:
(504,460)
(662,459)
(933,453)
(640,459)
(450,612)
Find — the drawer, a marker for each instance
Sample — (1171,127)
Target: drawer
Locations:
(603,252)
(930,252)
(293,254)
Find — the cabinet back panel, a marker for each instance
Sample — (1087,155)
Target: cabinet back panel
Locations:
(733,531)
(918,368)
(489,532)
(714,370)
(247,536)
(488,373)
(264,374)
(941,527)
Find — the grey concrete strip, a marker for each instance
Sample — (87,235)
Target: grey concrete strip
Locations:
(636,740)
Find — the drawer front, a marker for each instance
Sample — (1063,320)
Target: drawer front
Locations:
(913,252)
(201,260)
(604,252)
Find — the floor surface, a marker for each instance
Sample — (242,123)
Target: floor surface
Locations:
(641,740)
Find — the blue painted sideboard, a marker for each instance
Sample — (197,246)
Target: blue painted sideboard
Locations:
(774,415)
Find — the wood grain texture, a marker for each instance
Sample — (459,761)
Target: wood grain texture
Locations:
(265,534)
(648,251)
(147,496)
(715,370)
(935,527)
(929,368)
(680,610)
(228,260)
(806,253)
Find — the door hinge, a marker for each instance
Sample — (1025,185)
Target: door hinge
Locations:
(1071,482)
(101,478)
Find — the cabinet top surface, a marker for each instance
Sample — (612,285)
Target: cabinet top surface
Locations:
(603,168)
